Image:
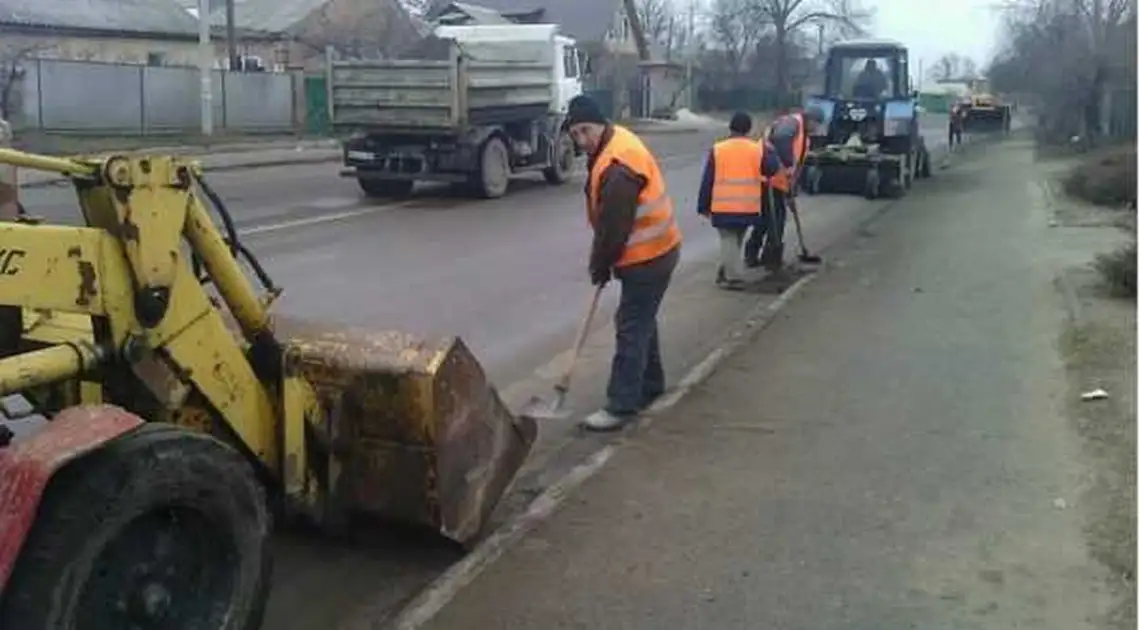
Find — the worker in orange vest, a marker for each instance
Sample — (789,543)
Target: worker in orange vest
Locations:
(790,136)
(731,194)
(637,240)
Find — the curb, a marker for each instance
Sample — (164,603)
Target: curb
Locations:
(439,593)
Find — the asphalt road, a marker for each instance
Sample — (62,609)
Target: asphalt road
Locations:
(506,275)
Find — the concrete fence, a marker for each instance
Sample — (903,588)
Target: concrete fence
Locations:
(100,98)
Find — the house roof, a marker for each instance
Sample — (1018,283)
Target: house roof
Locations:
(156,17)
(270,16)
(585,20)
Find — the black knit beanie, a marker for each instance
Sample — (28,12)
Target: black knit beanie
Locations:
(583,109)
(740,124)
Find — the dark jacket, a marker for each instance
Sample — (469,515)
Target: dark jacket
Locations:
(619,187)
(782,135)
(770,166)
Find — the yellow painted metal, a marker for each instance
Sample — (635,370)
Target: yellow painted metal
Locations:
(52,164)
(345,421)
(48,365)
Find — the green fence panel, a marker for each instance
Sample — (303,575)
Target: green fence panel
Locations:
(316,106)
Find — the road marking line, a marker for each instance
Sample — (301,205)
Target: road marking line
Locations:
(317,220)
(430,601)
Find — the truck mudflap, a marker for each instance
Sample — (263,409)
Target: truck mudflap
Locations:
(419,434)
(26,468)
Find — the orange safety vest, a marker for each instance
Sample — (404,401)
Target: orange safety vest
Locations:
(655,232)
(737,183)
(783,180)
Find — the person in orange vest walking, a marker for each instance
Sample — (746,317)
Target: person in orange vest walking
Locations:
(732,192)
(637,241)
(790,136)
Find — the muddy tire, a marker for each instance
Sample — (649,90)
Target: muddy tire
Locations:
(161,528)
(562,162)
(494,170)
(871,184)
(385,188)
(923,171)
(813,177)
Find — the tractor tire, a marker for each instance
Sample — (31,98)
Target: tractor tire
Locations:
(161,528)
(871,184)
(562,162)
(494,174)
(812,179)
(385,188)
(923,170)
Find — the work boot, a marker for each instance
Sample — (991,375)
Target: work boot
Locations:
(720,277)
(603,420)
(732,285)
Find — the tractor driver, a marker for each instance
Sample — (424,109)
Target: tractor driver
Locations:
(871,82)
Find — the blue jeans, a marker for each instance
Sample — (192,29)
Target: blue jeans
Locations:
(637,376)
(771,225)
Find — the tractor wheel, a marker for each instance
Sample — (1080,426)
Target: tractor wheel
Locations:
(161,528)
(385,188)
(871,184)
(812,179)
(922,168)
(562,162)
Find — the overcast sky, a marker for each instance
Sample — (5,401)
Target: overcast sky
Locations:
(932,28)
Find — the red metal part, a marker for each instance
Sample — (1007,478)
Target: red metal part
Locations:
(27,466)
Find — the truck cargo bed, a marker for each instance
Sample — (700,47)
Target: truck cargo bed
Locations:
(436,95)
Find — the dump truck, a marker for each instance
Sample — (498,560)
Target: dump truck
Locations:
(159,417)
(471,106)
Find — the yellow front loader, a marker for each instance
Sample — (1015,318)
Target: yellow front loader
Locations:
(165,417)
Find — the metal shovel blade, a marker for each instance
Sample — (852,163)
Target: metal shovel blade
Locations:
(538,409)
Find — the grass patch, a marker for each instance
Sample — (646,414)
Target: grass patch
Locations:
(1106,178)
(1117,270)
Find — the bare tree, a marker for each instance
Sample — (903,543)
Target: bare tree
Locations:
(1067,54)
(13,61)
(735,30)
(381,31)
(787,17)
(659,22)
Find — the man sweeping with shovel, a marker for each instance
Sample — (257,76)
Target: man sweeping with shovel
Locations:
(637,241)
(789,135)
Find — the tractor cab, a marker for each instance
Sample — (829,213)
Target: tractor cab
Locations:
(865,83)
(869,133)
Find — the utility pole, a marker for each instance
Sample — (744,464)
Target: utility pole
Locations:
(690,54)
(205,67)
(231,37)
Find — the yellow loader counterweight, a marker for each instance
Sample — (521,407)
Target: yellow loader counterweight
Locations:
(175,409)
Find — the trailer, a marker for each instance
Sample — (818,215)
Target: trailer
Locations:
(472,106)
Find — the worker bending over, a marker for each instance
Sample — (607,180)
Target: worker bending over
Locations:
(732,192)
(636,240)
(790,137)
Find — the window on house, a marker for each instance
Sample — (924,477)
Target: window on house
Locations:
(155,59)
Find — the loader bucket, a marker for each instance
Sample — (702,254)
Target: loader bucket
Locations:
(420,434)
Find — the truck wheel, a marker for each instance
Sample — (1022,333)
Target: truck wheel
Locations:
(161,528)
(385,188)
(562,164)
(494,170)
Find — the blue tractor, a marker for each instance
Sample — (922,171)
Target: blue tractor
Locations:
(869,141)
